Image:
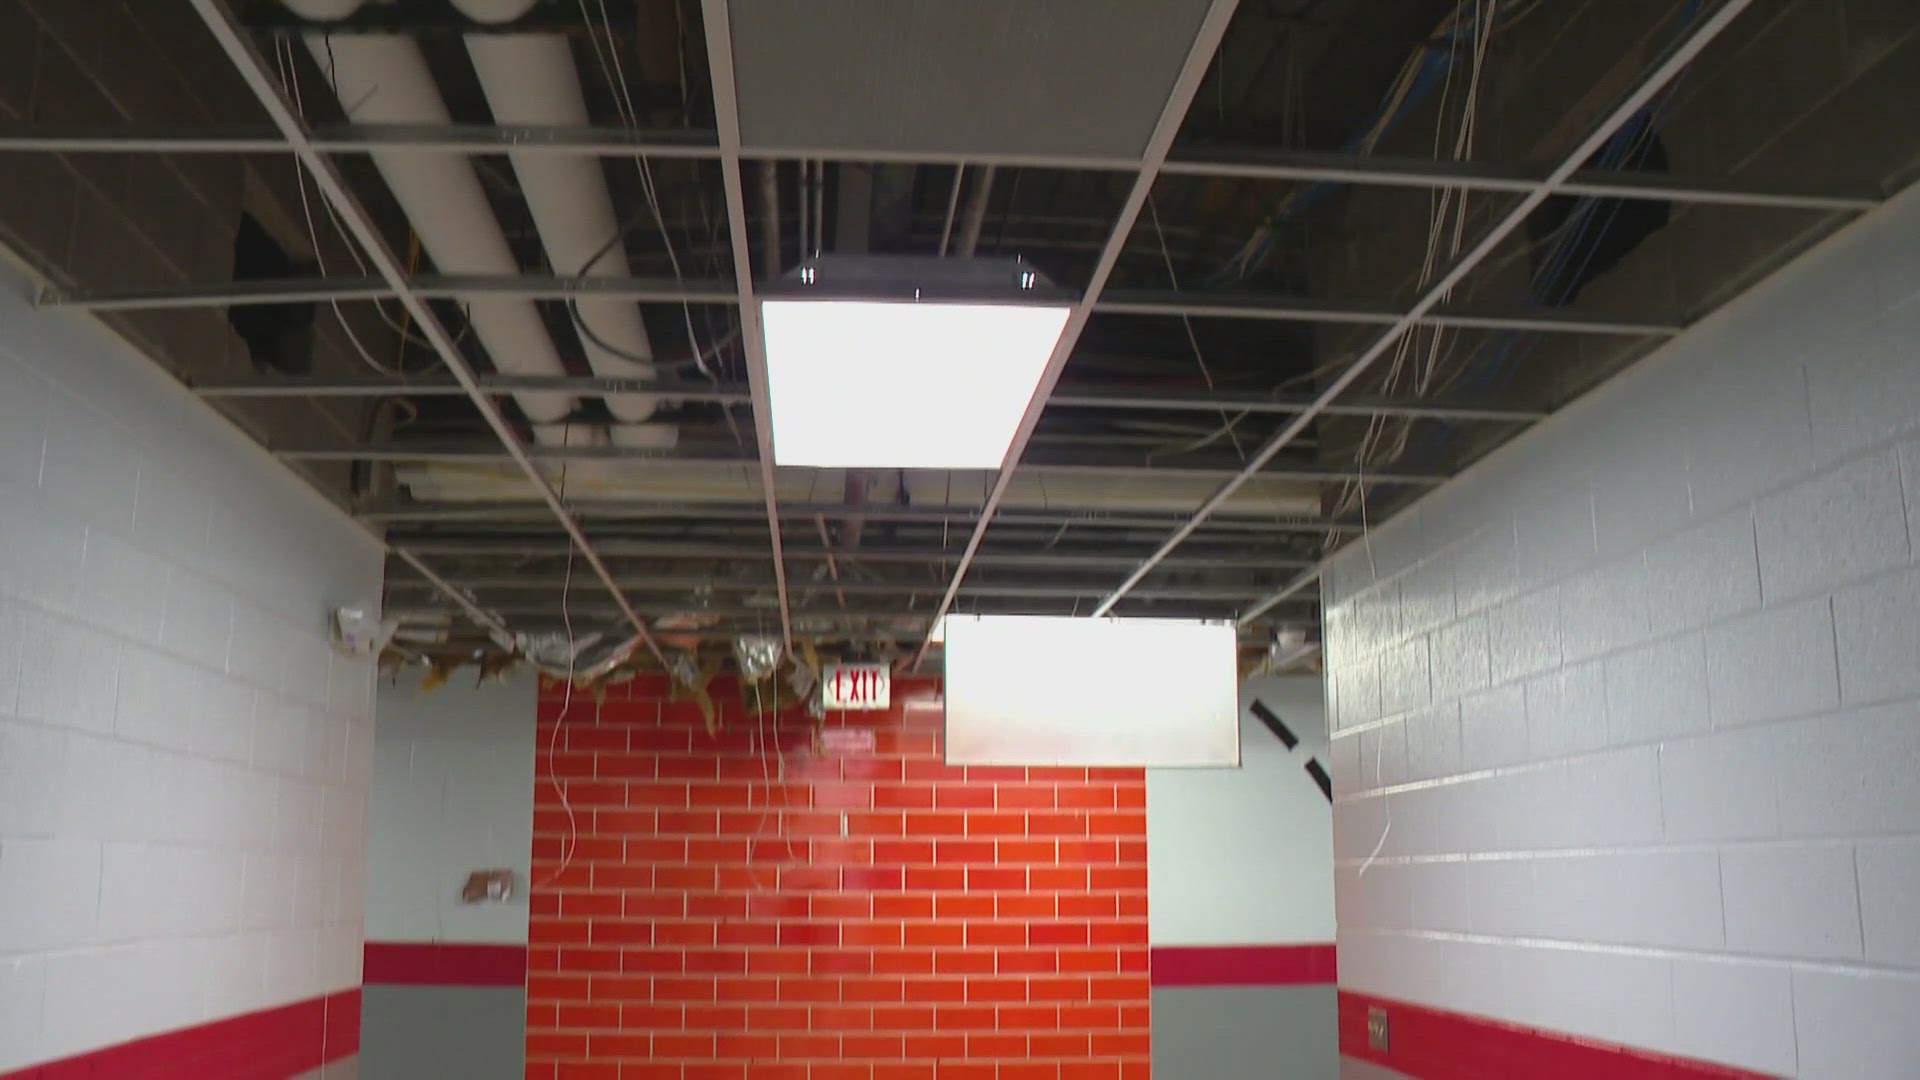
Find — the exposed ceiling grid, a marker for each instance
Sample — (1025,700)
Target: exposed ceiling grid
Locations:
(1669,66)
(1214,500)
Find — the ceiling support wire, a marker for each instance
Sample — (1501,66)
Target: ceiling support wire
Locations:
(1385,439)
(1674,59)
(1227,425)
(571,842)
(1200,55)
(726,111)
(615,74)
(1443,198)
(252,68)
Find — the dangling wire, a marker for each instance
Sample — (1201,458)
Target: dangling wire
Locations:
(283,55)
(1227,425)
(615,73)
(571,841)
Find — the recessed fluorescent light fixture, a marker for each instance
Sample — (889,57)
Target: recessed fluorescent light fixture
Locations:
(905,362)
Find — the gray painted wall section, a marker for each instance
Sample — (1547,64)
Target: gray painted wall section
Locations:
(1245,856)
(434,1032)
(1245,1033)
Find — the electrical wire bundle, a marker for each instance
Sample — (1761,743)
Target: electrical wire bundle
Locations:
(1430,66)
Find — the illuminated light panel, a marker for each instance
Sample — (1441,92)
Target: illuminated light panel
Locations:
(900,384)
(1057,690)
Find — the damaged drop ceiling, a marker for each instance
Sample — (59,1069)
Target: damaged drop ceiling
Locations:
(476,268)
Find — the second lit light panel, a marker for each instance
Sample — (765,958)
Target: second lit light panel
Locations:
(890,384)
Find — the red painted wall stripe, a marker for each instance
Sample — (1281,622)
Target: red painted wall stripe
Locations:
(1243,965)
(444,963)
(272,1044)
(1440,1045)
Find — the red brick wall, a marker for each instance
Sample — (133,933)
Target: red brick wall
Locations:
(758,904)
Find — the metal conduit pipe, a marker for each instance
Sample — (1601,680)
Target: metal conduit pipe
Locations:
(530,80)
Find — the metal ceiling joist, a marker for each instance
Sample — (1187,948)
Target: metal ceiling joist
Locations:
(1310,166)
(656,291)
(515,548)
(718,22)
(823,620)
(1291,589)
(478,452)
(425,286)
(609,141)
(1093,397)
(1076,396)
(253,70)
(1147,170)
(678,584)
(298,386)
(1294,309)
(460,597)
(610,509)
(1676,58)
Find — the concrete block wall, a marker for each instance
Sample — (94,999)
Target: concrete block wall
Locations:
(1240,900)
(452,793)
(184,760)
(1627,719)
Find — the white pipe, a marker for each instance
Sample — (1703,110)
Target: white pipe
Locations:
(494,11)
(383,79)
(530,80)
(323,10)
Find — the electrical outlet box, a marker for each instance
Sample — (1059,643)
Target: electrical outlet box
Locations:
(1376,1028)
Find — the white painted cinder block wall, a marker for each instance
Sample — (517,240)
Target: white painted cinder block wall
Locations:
(1245,856)
(452,793)
(1636,703)
(183,758)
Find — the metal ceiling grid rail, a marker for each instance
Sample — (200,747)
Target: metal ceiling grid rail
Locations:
(608,141)
(1077,396)
(1199,57)
(1171,304)
(718,23)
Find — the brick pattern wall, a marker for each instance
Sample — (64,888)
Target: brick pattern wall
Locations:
(1625,718)
(759,904)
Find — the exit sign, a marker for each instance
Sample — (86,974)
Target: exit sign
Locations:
(857,686)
